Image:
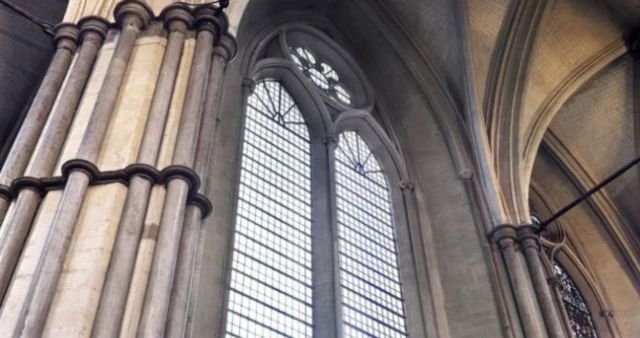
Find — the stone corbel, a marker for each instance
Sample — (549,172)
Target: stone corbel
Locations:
(406,186)
(330,140)
(249,85)
(606,314)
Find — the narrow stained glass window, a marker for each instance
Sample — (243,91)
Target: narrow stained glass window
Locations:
(270,292)
(370,280)
(580,317)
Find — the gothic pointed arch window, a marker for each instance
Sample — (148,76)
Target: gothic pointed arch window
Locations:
(580,318)
(369,274)
(315,248)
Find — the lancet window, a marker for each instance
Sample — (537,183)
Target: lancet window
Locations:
(273,289)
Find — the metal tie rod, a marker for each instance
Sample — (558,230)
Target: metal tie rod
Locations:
(543,225)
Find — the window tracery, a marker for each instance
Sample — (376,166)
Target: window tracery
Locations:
(580,318)
(323,75)
(272,291)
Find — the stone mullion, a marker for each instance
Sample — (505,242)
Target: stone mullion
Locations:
(529,242)
(156,304)
(65,42)
(132,16)
(505,237)
(177,18)
(92,33)
(327,299)
(183,279)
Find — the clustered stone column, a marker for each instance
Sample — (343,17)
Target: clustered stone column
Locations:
(27,174)
(210,26)
(92,33)
(505,237)
(525,240)
(25,143)
(177,19)
(530,244)
(131,17)
(179,303)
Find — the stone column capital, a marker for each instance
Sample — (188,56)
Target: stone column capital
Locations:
(207,18)
(553,282)
(528,236)
(248,84)
(607,314)
(93,29)
(178,16)
(504,235)
(226,47)
(135,13)
(330,140)
(66,36)
(406,186)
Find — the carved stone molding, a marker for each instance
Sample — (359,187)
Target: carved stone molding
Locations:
(211,19)
(66,36)
(406,186)
(504,235)
(177,17)
(226,47)
(528,236)
(93,29)
(607,314)
(330,140)
(553,282)
(248,84)
(136,10)
(159,177)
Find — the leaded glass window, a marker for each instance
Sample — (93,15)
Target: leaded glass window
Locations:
(580,317)
(370,279)
(344,225)
(321,73)
(271,287)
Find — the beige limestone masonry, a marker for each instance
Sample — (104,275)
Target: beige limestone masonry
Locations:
(27,264)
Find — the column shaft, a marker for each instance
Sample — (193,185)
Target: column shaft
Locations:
(327,294)
(179,303)
(43,286)
(180,294)
(93,33)
(529,243)
(27,139)
(121,266)
(131,15)
(505,237)
(156,304)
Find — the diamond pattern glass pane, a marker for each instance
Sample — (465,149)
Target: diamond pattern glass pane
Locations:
(270,292)
(370,279)
(580,318)
(321,74)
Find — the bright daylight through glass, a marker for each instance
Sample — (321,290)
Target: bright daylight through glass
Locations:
(271,291)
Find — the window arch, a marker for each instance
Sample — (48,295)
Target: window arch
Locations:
(323,229)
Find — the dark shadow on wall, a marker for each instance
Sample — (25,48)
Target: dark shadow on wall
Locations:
(25,52)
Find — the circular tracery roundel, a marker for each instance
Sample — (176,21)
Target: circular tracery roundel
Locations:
(321,74)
